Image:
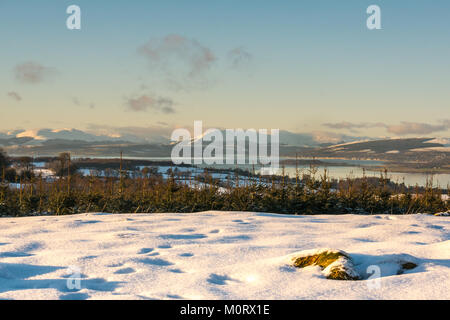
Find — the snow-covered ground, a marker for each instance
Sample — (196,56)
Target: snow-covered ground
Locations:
(217,255)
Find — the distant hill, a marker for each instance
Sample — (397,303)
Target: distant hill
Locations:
(425,152)
(384,146)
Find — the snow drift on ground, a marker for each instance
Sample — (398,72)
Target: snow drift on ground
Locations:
(217,255)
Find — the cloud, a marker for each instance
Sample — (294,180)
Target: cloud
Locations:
(330,137)
(76,101)
(33,72)
(154,133)
(145,102)
(406,128)
(353,126)
(239,58)
(182,61)
(14,95)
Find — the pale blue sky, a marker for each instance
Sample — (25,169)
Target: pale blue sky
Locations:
(306,63)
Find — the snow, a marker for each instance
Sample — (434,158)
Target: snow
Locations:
(46,173)
(219,255)
(342,264)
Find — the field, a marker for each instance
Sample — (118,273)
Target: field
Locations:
(218,255)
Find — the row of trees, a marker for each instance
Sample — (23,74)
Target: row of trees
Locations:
(4,161)
(23,170)
(149,193)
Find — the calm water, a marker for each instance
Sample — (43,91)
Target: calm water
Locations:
(410,179)
(355,171)
(339,172)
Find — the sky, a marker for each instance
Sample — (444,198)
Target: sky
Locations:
(151,66)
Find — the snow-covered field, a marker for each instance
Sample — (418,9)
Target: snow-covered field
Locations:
(217,255)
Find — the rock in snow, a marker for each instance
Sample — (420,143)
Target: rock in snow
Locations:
(338,265)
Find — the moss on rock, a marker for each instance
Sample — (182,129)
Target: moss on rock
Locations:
(338,265)
(322,259)
(340,274)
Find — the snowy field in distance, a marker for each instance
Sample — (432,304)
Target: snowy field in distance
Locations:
(216,255)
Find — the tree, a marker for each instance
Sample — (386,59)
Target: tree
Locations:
(10,174)
(4,160)
(63,165)
(25,163)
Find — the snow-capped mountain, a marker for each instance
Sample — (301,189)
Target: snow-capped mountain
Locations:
(40,136)
(287,138)
(143,142)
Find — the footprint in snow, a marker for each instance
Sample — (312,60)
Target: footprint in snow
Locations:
(91,222)
(411,232)
(32,246)
(74,296)
(156,262)
(15,254)
(125,271)
(186,255)
(183,236)
(187,230)
(87,258)
(174,296)
(435,227)
(23,251)
(217,279)
(366,225)
(364,240)
(126,235)
(114,265)
(145,250)
(176,270)
(232,239)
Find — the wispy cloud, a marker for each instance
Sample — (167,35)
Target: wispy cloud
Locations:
(14,95)
(401,129)
(354,126)
(183,62)
(76,101)
(146,102)
(239,58)
(33,72)
(330,137)
(406,128)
